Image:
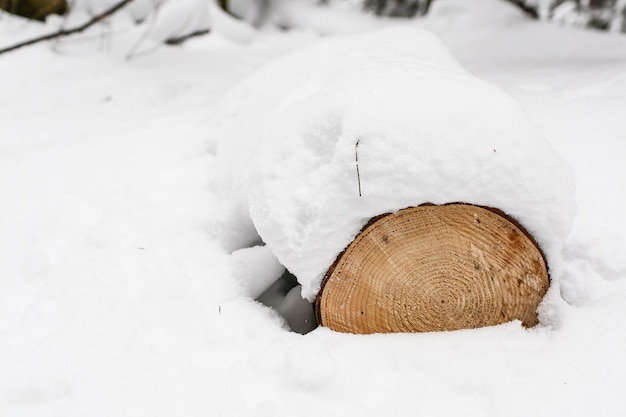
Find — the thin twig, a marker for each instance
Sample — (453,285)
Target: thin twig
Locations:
(356,155)
(66,32)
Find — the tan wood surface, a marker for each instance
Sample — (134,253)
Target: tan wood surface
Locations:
(434,268)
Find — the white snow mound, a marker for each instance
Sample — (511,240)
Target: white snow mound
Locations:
(427,131)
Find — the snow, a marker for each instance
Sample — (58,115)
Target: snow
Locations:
(425,131)
(257,269)
(122,290)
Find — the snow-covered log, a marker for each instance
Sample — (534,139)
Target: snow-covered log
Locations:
(318,143)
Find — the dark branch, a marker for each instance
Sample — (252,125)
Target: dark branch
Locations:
(66,32)
(180,39)
(528,10)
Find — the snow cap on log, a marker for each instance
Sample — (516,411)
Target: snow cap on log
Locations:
(317,143)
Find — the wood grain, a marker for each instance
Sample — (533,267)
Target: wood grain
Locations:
(434,268)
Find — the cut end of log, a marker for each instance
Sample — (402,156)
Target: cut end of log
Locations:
(434,268)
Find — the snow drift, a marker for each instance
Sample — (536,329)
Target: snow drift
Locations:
(422,128)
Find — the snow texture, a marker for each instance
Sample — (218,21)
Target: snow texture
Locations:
(423,129)
(126,280)
(256,268)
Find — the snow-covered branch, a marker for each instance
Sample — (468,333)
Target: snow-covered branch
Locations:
(597,14)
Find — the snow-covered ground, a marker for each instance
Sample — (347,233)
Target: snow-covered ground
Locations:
(119,295)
